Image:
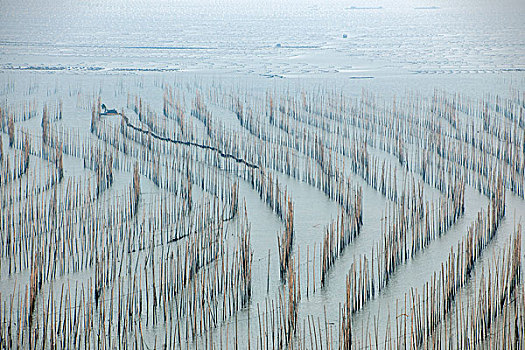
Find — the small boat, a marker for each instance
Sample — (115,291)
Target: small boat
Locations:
(106,111)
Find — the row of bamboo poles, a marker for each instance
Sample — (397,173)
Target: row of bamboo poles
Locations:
(425,312)
(202,248)
(172,272)
(454,191)
(82,230)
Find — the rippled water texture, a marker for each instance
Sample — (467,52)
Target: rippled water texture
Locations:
(290,38)
(73,52)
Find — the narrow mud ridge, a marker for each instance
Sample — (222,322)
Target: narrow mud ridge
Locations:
(189,143)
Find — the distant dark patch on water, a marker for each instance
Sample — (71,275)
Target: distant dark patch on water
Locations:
(365,77)
(170,47)
(272,76)
(467,71)
(427,8)
(51,68)
(42,68)
(513,70)
(297,46)
(145,69)
(364,8)
(85,69)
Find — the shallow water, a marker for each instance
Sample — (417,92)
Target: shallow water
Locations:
(399,38)
(73,51)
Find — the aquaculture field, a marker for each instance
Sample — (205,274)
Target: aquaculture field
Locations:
(217,215)
(237,174)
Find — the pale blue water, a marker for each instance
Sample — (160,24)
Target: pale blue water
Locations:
(387,37)
(391,47)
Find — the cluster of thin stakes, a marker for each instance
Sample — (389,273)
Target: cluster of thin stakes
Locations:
(134,232)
